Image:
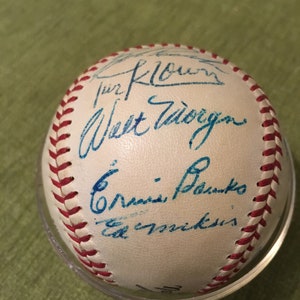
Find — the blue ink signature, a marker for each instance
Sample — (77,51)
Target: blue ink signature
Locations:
(164,74)
(102,125)
(99,203)
(204,222)
(99,127)
(191,178)
(190,182)
(116,227)
(103,89)
(185,115)
(164,289)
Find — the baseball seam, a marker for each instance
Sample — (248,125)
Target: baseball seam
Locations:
(267,186)
(68,203)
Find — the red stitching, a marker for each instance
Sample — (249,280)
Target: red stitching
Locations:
(230,267)
(250,228)
(61,125)
(62,199)
(235,255)
(260,212)
(221,278)
(59,152)
(55,168)
(61,167)
(246,77)
(263,222)
(70,212)
(104,274)
(272,136)
(261,98)
(85,253)
(266,109)
(254,87)
(93,264)
(65,112)
(62,182)
(75,226)
(93,68)
(272,151)
(234,259)
(79,240)
(238,258)
(248,240)
(270,122)
(62,137)
(267,181)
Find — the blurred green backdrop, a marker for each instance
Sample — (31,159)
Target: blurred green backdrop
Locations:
(45,45)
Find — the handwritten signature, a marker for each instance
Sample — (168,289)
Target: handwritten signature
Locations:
(161,73)
(191,182)
(164,289)
(118,229)
(99,203)
(104,125)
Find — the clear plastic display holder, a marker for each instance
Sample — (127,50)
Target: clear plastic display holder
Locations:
(258,264)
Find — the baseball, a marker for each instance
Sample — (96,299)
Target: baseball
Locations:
(164,170)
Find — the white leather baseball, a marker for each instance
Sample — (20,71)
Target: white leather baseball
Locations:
(164,169)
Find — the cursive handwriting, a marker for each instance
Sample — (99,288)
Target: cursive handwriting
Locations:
(204,222)
(162,73)
(103,89)
(104,125)
(184,115)
(190,181)
(99,202)
(118,229)
(164,289)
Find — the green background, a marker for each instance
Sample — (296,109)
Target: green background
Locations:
(45,45)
